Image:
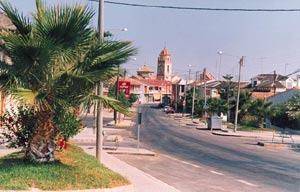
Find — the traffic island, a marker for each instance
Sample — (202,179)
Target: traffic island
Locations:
(73,170)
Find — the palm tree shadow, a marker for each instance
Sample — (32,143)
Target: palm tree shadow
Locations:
(17,160)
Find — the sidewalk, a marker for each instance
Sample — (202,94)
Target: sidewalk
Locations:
(263,136)
(141,181)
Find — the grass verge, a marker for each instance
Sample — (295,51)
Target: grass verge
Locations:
(74,169)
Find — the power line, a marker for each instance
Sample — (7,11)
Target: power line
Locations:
(200,8)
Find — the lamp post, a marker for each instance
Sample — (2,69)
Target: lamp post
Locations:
(220,53)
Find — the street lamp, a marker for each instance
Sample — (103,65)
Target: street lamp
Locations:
(220,53)
(124,29)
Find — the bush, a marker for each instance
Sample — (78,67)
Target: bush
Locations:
(18,127)
(133,98)
(68,124)
(249,121)
(287,114)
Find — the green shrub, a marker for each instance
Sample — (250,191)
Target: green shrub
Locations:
(249,120)
(68,124)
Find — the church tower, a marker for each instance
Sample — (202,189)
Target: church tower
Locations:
(164,65)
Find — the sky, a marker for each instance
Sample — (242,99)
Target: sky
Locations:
(269,41)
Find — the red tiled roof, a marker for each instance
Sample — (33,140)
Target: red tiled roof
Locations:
(261,95)
(155,82)
(133,81)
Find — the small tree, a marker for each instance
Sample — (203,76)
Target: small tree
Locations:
(287,114)
(227,91)
(56,61)
(259,109)
(133,98)
(122,98)
(217,106)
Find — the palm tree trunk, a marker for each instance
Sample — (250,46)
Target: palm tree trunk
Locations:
(42,146)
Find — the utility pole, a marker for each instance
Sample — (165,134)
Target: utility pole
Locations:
(99,118)
(241,63)
(274,82)
(117,93)
(176,97)
(205,96)
(193,101)
(220,63)
(185,90)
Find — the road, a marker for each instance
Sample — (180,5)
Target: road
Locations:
(195,160)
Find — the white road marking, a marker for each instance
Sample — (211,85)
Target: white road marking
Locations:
(184,162)
(246,183)
(217,173)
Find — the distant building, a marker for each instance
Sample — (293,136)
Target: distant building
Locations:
(164,66)
(263,86)
(145,72)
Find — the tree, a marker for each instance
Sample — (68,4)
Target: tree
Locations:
(287,114)
(227,91)
(244,103)
(293,108)
(259,109)
(122,98)
(216,106)
(57,59)
(133,98)
(189,98)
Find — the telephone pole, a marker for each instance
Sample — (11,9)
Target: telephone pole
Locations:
(205,96)
(193,101)
(241,63)
(274,82)
(99,88)
(185,90)
(117,93)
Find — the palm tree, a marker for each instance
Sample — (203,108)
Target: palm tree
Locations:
(259,109)
(217,106)
(56,62)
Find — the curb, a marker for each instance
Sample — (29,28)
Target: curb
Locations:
(227,135)
(127,188)
(130,153)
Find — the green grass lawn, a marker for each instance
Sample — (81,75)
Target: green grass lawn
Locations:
(74,169)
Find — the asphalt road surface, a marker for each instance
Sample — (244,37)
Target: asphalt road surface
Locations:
(194,160)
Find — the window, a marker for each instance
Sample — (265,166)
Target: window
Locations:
(168,68)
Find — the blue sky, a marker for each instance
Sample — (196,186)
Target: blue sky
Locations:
(268,40)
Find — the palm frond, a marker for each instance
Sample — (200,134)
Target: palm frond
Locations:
(25,96)
(40,8)
(107,102)
(21,22)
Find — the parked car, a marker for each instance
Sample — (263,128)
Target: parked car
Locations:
(166,108)
(170,110)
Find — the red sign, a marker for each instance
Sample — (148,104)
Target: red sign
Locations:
(125,87)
